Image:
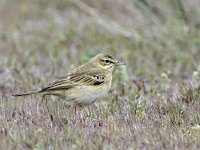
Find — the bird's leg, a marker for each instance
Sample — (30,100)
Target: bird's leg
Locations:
(45,104)
(81,114)
(76,109)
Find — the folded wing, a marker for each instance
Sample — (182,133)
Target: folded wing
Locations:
(77,79)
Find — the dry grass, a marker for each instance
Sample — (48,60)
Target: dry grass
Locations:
(155,100)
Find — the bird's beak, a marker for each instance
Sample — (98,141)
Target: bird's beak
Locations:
(118,63)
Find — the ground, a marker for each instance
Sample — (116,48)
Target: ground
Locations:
(154,102)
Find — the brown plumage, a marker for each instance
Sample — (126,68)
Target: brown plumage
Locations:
(85,84)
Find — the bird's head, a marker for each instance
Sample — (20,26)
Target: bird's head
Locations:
(105,61)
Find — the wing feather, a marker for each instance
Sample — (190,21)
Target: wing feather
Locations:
(69,81)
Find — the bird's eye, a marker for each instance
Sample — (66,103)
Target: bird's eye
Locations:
(107,61)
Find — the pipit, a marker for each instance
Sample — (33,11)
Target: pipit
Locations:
(85,84)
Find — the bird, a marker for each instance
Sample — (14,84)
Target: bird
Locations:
(85,84)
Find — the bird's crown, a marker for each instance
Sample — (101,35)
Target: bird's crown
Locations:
(105,61)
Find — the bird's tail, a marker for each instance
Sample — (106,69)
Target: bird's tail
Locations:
(26,94)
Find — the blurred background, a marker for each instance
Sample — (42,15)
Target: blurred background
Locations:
(152,36)
(154,100)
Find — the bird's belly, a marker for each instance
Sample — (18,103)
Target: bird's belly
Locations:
(91,98)
(87,94)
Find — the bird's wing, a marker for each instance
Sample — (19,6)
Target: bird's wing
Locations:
(93,77)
